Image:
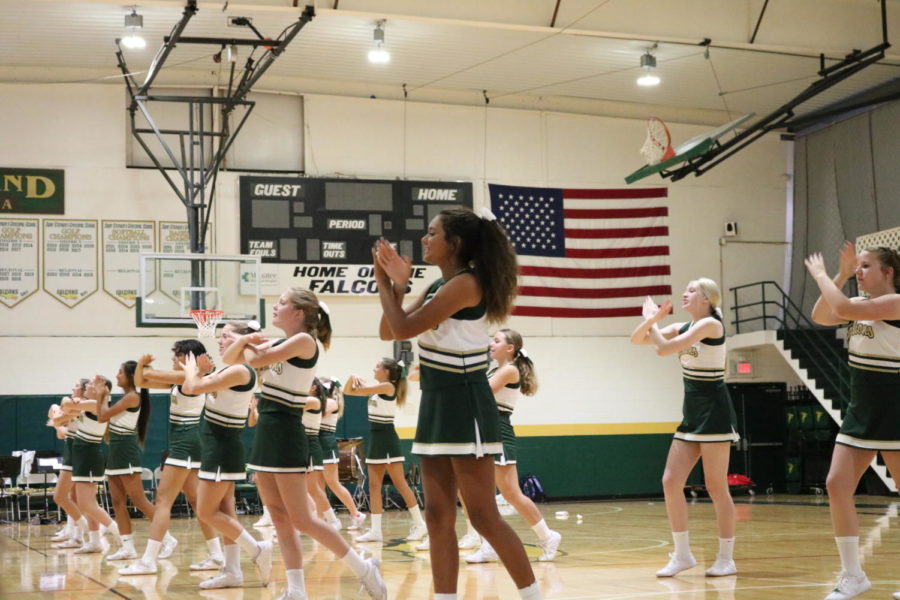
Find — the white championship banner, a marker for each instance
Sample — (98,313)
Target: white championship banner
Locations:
(123,241)
(18,260)
(70,259)
(174,238)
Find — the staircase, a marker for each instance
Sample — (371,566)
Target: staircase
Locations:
(814,353)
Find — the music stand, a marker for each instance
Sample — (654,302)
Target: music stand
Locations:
(45,464)
(10,466)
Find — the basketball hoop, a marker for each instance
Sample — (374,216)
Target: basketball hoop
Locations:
(206,321)
(658,144)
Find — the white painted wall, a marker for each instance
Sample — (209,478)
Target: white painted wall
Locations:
(588,370)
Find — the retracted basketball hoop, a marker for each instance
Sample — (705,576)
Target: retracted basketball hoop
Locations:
(206,320)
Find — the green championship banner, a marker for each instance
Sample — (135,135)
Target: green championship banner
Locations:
(35,191)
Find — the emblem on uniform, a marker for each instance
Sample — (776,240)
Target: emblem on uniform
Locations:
(277,368)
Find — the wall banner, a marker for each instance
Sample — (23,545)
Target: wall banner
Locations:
(18,260)
(35,191)
(70,259)
(123,241)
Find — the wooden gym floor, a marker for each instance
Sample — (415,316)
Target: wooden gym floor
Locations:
(785,550)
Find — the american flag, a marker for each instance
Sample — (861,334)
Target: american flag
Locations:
(586,253)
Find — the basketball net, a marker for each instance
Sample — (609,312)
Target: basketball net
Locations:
(206,321)
(658,143)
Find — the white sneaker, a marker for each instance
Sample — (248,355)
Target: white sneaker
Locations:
(484,554)
(896,595)
(69,543)
(225,579)
(849,586)
(550,546)
(336,523)
(423,545)
(417,532)
(263,562)
(168,546)
(89,548)
(372,582)
(123,553)
(138,567)
(264,521)
(722,567)
(211,563)
(370,536)
(676,565)
(357,521)
(469,541)
(61,535)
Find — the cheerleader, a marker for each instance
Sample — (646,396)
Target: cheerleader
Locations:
(334,410)
(128,418)
(88,464)
(872,421)
(179,473)
(708,428)
(458,429)
(383,453)
(64,418)
(280,454)
(227,395)
(312,424)
(513,378)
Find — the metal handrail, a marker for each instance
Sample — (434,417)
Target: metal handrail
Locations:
(811,339)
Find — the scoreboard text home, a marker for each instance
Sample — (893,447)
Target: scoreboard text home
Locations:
(336,221)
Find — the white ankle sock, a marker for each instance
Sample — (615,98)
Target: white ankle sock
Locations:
(445,597)
(232,558)
(329,515)
(726,548)
(248,544)
(682,544)
(376,523)
(532,592)
(416,513)
(151,553)
(295,581)
(127,541)
(94,537)
(214,546)
(541,530)
(353,560)
(848,548)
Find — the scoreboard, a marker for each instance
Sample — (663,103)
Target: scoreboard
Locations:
(331,221)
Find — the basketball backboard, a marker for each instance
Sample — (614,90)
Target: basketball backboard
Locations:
(171,285)
(695,147)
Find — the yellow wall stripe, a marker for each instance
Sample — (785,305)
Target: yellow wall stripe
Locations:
(407,433)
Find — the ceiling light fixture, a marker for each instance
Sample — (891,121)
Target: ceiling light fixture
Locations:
(134,23)
(648,66)
(378,54)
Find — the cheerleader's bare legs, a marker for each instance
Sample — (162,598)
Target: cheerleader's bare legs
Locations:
(474,478)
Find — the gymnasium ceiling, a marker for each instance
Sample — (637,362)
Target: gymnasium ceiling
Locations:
(585,58)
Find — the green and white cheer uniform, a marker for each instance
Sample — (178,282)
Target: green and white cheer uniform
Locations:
(280,444)
(124,446)
(224,417)
(328,439)
(184,429)
(382,443)
(312,423)
(71,431)
(506,398)
(872,421)
(88,461)
(457,414)
(708,415)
